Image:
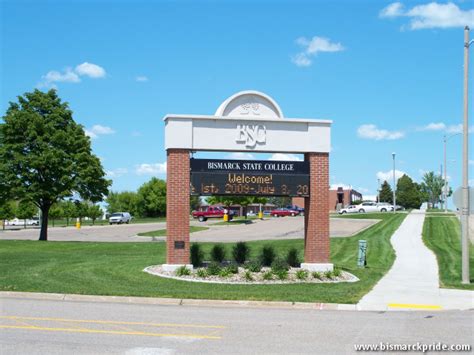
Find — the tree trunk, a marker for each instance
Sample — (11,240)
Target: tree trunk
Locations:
(44,222)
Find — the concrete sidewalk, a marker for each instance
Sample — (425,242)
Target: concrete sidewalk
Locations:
(413,281)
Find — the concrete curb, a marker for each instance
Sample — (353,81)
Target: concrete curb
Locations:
(177,301)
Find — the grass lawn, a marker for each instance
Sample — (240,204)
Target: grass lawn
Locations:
(162,232)
(116,269)
(443,236)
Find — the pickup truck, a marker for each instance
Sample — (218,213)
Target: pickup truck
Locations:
(211,212)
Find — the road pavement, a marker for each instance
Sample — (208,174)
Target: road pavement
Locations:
(67,327)
(413,280)
(272,228)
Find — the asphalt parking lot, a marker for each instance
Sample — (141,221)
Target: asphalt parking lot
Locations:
(272,228)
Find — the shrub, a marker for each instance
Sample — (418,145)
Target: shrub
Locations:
(233,268)
(337,272)
(328,274)
(196,255)
(214,268)
(267,255)
(301,274)
(281,274)
(248,276)
(218,253)
(225,272)
(201,273)
(317,275)
(268,275)
(292,258)
(240,252)
(183,271)
(254,266)
(279,264)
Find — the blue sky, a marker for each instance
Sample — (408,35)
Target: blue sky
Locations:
(388,74)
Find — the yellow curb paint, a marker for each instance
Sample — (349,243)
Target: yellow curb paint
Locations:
(72,330)
(414,306)
(171,325)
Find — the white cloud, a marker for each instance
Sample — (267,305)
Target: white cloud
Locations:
(393,10)
(283,156)
(458,129)
(311,47)
(91,70)
(388,175)
(370,131)
(151,169)
(241,155)
(141,78)
(116,172)
(432,15)
(98,130)
(69,75)
(433,126)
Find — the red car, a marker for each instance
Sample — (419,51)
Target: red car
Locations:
(211,212)
(282,212)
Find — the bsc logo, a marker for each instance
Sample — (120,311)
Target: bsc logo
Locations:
(251,134)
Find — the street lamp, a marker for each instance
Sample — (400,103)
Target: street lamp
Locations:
(465,159)
(445,139)
(394,185)
(378,190)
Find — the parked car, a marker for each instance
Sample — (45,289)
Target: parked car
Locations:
(211,212)
(384,206)
(21,222)
(349,209)
(282,212)
(296,208)
(251,214)
(367,206)
(120,217)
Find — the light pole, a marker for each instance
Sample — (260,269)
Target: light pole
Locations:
(465,158)
(445,140)
(378,190)
(394,185)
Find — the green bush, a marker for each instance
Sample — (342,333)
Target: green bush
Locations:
(218,253)
(196,255)
(279,264)
(337,272)
(268,275)
(328,274)
(225,272)
(281,274)
(301,274)
(248,276)
(183,271)
(240,252)
(233,268)
(254,266)
(267,255)
(317,275)
(292,258)
(214,268)
(201,273)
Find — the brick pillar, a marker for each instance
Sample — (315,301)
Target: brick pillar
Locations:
(316,216)
(177,206)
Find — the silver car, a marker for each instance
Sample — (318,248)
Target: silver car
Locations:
(120,217)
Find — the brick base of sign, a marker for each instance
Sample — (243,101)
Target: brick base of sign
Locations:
(177,207)
(320,267)
(316,216)
(174,267)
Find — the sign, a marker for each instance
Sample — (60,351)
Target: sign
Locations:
(457,199)
(249,177)
(362,257)
(251,134)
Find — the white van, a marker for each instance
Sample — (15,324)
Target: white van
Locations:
(120,217)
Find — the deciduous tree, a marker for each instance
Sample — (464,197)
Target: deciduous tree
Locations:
(45,155)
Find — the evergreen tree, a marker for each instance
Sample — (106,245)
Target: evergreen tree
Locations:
(386,193)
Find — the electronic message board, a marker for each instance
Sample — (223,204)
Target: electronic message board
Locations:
(249,177)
